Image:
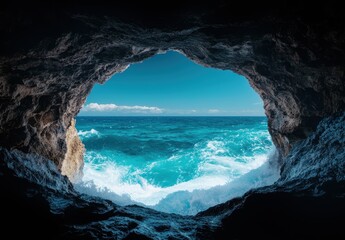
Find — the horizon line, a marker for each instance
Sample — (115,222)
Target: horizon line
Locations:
(172,116)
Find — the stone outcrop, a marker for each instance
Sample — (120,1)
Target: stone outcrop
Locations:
(73,163)
(52,56)
(293,55)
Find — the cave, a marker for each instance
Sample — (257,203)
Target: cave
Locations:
(292,54)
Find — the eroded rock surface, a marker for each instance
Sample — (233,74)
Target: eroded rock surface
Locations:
(293,55)
(73,163)
(51,56)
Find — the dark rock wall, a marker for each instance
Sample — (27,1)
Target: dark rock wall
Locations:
(293,54)
(52,54)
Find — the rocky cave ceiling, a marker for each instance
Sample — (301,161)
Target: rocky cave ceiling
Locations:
(53,54)
(293,55)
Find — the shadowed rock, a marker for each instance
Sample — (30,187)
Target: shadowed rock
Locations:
(293,55)
(52,55)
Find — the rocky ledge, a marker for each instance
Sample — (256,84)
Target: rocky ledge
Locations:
(293,55)
(307,202)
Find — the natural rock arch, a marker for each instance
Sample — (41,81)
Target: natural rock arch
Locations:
(53,55)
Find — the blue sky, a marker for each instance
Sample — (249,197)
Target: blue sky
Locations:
(172,85)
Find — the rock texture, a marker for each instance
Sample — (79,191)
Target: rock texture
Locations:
(293,55)
(52,55)
(306,203)
(73,163)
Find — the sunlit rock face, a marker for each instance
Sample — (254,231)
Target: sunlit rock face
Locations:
(73,163)
(293,55)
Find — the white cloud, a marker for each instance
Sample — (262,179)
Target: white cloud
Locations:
(96,107)
(213,110)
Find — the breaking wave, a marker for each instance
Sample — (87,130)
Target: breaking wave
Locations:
(175,165)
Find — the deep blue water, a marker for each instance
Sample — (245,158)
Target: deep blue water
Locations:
(148,158)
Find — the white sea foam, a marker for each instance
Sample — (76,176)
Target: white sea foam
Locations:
(87,134)
(189,203)
(213,171)
(111,179)
(215,147)
(187,197)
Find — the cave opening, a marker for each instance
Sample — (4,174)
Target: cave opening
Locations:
(54,53)
(175,136)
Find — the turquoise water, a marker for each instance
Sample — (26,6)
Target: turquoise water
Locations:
(148,158)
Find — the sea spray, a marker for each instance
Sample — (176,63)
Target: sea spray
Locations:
(174,164)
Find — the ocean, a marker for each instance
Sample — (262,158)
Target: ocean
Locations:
(149,160)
